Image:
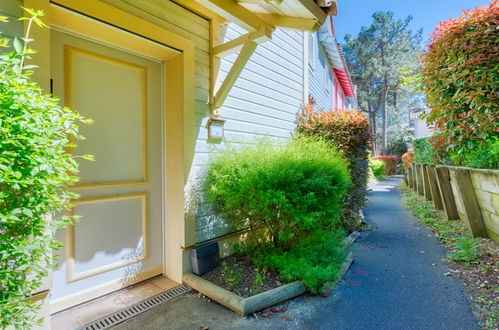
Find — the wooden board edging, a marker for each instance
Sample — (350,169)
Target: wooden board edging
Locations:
(245,306)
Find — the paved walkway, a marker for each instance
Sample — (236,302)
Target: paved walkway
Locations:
(396,282)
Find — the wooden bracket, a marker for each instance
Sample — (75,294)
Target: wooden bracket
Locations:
(261,35)
(221,94)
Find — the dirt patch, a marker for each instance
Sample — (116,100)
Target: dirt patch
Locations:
(242,277)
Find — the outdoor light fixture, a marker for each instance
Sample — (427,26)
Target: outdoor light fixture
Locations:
(216,128)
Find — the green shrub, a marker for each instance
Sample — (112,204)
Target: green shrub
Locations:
(280,193)
(484,156)
(351,133)
(460,78)
(378,167)
(390,164)
(313,260)
(424,151)
(35,168)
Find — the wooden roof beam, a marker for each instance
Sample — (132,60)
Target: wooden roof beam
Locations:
(234,12)
(296,23)
(261,35)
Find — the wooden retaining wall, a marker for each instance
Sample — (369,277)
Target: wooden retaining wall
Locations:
(468,194)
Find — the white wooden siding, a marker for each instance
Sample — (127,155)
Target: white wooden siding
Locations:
(321,82)
(14,27)
(263,102)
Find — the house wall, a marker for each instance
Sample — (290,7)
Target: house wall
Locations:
(321,81)
(14,27)
(263,102)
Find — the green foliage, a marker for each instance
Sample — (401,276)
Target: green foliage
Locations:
(351,133)
(259,281)
(281,193)
(313,260)
(390,164)
(380,58)
(424,151)
(232,277)
(466,250)
(35,169)
(378,167)
(460,77)
(399,139)
(485,156)
(449,232)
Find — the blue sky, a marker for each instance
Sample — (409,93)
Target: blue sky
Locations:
(353,14)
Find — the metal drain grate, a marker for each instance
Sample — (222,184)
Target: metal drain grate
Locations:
(134,310)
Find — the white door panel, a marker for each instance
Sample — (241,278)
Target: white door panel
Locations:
(118,239)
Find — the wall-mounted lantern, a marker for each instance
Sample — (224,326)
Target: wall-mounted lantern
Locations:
(216,128)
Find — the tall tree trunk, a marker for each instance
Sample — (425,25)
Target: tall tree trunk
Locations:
(384,137)
(372,121)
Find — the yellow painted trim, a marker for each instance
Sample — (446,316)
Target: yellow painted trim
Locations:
(198,9)
(111,15)
(68,97)
(71,276)
(60,304)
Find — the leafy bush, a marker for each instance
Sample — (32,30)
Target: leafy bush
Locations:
(424,151)
(408,158)
(280,193)
(35,168)
(351,133)
(390,162)
(378,167)
(486,156)
(460,79)
(313,260)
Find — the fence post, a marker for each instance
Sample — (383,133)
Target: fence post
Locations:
(435,191)
(426,183)
(470,203)
(443,180)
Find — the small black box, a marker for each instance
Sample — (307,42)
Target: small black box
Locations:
(205,258)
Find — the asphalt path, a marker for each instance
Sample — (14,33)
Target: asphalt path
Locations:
(398,281)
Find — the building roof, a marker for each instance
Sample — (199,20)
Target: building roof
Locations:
(336,58)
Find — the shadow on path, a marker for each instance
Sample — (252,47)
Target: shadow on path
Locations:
(396,282)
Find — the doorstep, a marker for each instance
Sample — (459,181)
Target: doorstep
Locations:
(97,308)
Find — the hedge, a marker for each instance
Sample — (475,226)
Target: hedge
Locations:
(351,133)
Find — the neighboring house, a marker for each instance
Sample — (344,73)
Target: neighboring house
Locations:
(156,76)
(417,124)
(329,82)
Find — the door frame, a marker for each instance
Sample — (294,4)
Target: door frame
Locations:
(111,25)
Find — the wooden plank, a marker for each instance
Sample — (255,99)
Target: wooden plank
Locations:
(419,179)
(443,180)
(435,191)
(426,183)
(235,45)
(296,23)
(234,12)
(470,203)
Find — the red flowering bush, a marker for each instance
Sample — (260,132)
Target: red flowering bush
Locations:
(351,133)
(460,77)
(408,159)
(391,163)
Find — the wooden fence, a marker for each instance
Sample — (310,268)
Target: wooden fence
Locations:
(469,194)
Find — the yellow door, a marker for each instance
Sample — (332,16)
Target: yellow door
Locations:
(118,240)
